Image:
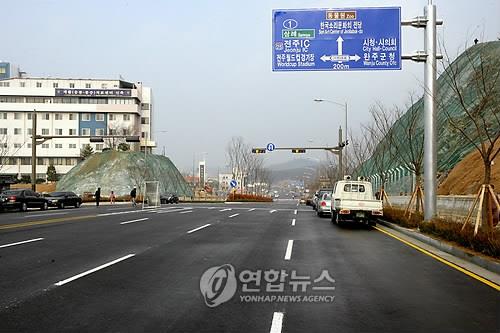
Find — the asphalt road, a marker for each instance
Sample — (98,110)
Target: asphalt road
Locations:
(120,269)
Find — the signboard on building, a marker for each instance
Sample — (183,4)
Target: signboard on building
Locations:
(94,92)
(337,39)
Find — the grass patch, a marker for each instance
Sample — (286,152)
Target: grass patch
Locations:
(485,242)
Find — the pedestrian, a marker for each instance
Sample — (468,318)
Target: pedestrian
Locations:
(97,196)
(112,198)
(133,194)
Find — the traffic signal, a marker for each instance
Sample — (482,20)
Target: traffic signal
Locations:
(258,150)
(298,151)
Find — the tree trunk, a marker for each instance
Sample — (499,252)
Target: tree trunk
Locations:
(418,179)
(487,222)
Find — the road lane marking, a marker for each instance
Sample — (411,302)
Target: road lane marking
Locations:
(133,221)
(272,211)
(277,324)
(173,209)
(225,209)
(295,212)
(120,213)
(56,220)
(288,253)
(199,228)
(234,215)
(185,212)
(293,222)
(22,242)
(251,209)
(46,214)
(73,278)
(444,261)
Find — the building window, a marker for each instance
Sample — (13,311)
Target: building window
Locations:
(4,84)
(145,106)
(45,131)
(22,84)
(25,160)
(70,161)
(3,131)
(29,131)
(29,145)
(46,116)
(112,131)
(59,131)
(112,117)
(99,146)
(17,131)
(145,120)
(17,115)
(58,116)
(17,145)
(86,117)
(99,131)
(55,85)
(39,84)
(35,100)
(45,145)
(72,145)
(104,86)
(3,115)
(71,85)
(28,116)
(126,117)
(85,131)
(88,85)
(72,116)
(125,131)
(99,117)
(58,145)
(72,131)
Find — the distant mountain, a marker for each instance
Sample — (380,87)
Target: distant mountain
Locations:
(292,170)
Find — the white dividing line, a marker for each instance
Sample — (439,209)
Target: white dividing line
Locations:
(73,278)
(23,242)
(120,213)
(277,323)
(288,253)
(233,215)
(133,221)
(199,228)
(46,214)
(225,209)
(272,211)
(185,212)
(293,222)
(295,212)
(251,209)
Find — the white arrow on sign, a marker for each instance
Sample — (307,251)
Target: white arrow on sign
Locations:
(339,58)
(339,45)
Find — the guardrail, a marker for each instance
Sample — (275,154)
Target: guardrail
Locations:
(454,207)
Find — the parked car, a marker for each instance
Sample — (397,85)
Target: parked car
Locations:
(324,205)
(169,199)
(319,195)
(3,199)
(63,199)
(23,199)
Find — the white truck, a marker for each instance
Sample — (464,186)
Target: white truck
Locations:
(353,201)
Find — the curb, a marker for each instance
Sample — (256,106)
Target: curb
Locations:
(445,247)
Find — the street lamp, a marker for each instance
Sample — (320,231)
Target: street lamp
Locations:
(342,138)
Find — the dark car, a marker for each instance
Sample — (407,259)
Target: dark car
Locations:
(63,199)
(169,199)
(3,199)
(23,199)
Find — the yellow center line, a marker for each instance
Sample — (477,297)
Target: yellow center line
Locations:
(49,221)
(444,261)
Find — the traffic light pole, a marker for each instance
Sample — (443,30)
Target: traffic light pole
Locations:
(33,151)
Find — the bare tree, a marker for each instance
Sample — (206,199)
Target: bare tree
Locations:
(4,150)
(114,143)
(474,80)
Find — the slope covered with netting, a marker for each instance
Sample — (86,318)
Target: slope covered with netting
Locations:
(121,171)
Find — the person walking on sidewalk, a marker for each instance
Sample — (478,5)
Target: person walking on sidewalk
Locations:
(97,196)
(133,194)
(112,198)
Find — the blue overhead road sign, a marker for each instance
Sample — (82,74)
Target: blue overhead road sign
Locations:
(337,39)
(270,147)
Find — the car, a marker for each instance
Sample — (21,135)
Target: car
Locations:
(3,199)
(319,195)
(169,199)
(22,199)
(63,199)
(324,205)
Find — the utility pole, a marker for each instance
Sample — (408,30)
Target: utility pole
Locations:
(341,148)
(33,151)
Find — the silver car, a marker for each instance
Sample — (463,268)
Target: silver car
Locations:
(324,204)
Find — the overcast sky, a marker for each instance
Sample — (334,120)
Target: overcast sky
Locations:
(209,64)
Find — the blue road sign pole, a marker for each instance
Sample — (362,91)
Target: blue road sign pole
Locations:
(337,39)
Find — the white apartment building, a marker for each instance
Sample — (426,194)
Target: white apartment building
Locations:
(89,107)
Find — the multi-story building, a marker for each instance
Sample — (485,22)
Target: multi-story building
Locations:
(88,107)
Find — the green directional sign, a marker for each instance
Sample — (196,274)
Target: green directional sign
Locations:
(298,33)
